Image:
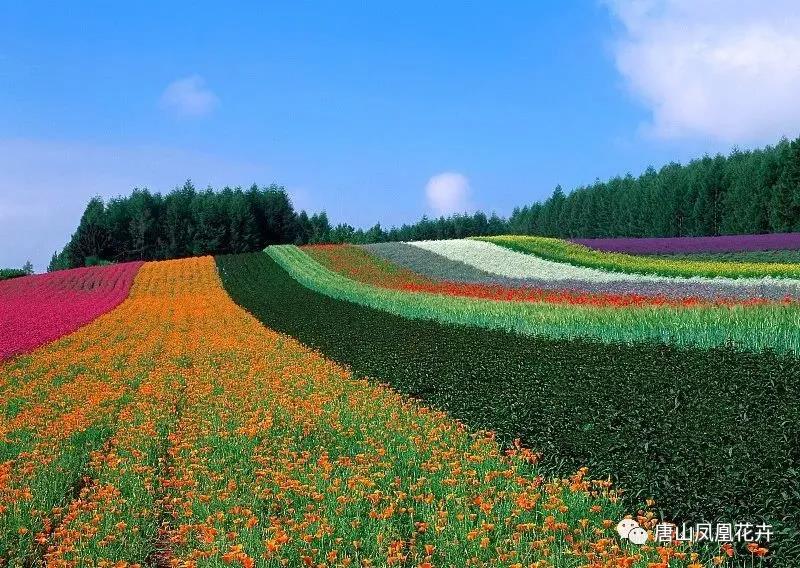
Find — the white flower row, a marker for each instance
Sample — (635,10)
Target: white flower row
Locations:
(502,261)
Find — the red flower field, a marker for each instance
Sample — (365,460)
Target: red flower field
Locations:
(41,308)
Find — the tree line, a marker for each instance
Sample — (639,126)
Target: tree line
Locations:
(8,273)
(745,192)
(189,222)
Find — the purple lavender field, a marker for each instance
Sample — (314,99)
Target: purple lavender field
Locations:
(678,245)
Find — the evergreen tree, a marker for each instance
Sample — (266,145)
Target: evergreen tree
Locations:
(178,226)
(142,227)
(241,224)
(320,228)
(92,238)
(785,203)
(61,260)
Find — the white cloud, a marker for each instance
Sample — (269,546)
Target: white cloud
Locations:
(447,192)
(46,184)
(189,97)
(728,70)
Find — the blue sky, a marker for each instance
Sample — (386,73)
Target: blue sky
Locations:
(371,111)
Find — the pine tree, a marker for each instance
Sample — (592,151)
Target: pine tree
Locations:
(92,238)
(785,204)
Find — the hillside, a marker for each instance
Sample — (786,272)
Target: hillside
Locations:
(435,403)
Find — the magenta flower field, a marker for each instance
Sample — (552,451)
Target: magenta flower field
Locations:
(41,308)
(677,245)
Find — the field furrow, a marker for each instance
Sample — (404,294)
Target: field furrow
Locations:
(783,242)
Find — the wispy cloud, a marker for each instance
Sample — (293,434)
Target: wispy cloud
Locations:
(189,97)
(447,193)
(727,70)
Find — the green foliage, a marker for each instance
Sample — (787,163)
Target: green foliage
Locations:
(785,199)
(748,192)
(95,261)
(185,222)
(92,237)
(60,260)
(709,433)
(7,273)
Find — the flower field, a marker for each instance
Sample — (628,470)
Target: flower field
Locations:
(523,260)
(579,402)
(431,404)
(756,327)
(176,430)
(578,255)
(41,308)
(439,267)
(357,264)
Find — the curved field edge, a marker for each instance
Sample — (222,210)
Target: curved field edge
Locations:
(36,310)
(674,424)
(558,250)
(227,443)
(756,328)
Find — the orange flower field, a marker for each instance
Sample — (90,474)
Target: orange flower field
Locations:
(176,430)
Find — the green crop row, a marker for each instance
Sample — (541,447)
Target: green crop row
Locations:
(711,434)
(559,250)
(758,256)
(768,326)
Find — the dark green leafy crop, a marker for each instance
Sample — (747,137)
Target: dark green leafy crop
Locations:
(709,433)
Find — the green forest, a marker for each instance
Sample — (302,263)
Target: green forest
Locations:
(745,192)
